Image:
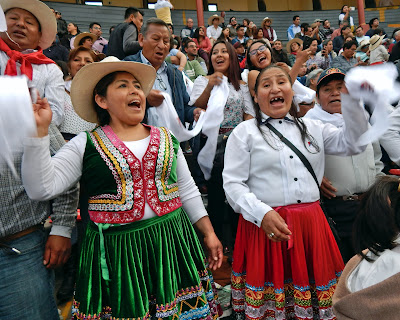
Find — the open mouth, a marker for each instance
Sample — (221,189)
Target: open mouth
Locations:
(134,104)
(160,54)
(276,101)
(335,101)
(219,61)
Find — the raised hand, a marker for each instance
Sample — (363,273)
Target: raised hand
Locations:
(43,115)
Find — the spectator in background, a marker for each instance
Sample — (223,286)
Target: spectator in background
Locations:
(339,40)
(312,78)
(203,43)
(377,52)
(240,35)
(188,30)
(327,51)
(362,53)
(85,39)
(346,60)
(294,28)
(111,30)
(259,34)
(395,54)
(124,38)
(315,61)
(338,31)
(293,47)
(239,48)
(195,65)
(100,43)
(268,32)
(373,25)
(344,16)
(214,30)
(56,51)
(73,31)
(326,30)
(225,35)
(61,25)
(360,35)
(305,30)
(278,54)
(232,26)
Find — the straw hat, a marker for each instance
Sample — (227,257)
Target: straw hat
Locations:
(82,35)
(265,19)
(363,43)
(86,79)
(43,14)
(215,16)
(297,40)
(375,41)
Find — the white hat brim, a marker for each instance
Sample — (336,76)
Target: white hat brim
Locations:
(86,79)
(82,35)
(43,14)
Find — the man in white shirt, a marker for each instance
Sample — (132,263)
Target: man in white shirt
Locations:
(345,178)
(360,36)
(214,30)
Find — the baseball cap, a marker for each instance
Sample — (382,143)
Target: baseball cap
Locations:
(330,74)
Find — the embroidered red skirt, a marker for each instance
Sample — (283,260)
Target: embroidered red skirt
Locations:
(286,280)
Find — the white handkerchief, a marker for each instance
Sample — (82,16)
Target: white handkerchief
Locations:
(3,24)
(302,94)
(376,86)
(17,121)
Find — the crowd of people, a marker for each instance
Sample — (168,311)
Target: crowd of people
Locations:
(291,194)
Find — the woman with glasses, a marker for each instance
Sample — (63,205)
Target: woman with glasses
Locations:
(238,107)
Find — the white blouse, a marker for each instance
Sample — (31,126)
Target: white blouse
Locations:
(45,177)
(258,177)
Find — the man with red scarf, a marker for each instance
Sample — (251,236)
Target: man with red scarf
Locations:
(27,255)
(21,51)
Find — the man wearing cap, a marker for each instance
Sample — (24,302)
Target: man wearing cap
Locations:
(124,39)
(26,256)
(155,42)
(239,48)
(268,32)
(214,30)
(294,28)
(345,178)
(100,43)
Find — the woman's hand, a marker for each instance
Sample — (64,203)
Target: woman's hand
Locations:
(215,79)
(43,115)
(273,223)
(215,251)
(327,189)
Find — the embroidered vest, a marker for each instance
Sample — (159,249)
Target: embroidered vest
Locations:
(118,185)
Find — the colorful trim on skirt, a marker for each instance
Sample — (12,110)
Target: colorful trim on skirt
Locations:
(157,269)
(286,280)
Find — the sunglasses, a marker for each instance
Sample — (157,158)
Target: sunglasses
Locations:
(259,49)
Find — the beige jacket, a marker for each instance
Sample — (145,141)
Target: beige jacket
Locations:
(378,302)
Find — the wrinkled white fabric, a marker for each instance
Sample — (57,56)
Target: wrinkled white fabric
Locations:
(317,113)
(165,116)
(17,121)
(162,4)
(212,122)
(381,91)
(3,24)
(302,94)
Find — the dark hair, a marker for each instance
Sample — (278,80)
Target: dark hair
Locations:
(341,10)
(63,66)
(293,111)
(185,43)
(234,68)
(134,11)
(240,26)
(76,26)
(93,23)
(256,33)
(230,19)
(325,42)
(372,21)
(250,65)
(377,222)
(170,25)
(344,28)
(295,17)
(304,26)
(222,35)
(349,44)
(100,89)
(323,23)
(196,33)
(111,29)
(377,31)
(247,20)
(359,26)
(151,21)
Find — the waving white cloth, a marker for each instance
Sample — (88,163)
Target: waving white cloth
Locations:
(214,117)
(381,90)
(3,24)
(165,116)
(302,94)
(17,121)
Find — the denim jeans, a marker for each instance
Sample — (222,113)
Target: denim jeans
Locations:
(26,286)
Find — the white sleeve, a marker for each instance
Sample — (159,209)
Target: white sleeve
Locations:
(235,175)
(209,32)
(275,36)
(198,87)
(341,16)
(390,141)
(188,191)
(44,177)
(54,92)
(343,141)
(248,101)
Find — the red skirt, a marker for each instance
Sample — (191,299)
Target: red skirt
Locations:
(286,280)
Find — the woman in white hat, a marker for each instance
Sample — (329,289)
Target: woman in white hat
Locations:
(378,53)
(85,39)
(140,256)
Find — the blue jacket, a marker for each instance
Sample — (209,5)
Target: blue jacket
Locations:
(180,97)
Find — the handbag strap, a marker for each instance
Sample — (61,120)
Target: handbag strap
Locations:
(303,159)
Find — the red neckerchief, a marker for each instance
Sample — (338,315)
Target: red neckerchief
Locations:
(25,60)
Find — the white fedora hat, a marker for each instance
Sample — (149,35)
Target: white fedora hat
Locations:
(82,35)
(86,79)
(46,18)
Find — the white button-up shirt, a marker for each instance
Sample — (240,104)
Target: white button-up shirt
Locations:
(259,175)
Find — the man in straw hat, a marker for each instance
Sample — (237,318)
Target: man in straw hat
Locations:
(214,30)
(26,257)
(268,32)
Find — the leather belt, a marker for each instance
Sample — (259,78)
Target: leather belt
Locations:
(351,197)
(20,234)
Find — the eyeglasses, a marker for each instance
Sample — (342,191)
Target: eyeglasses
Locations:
(161,83)
(97,28)
(259,49)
